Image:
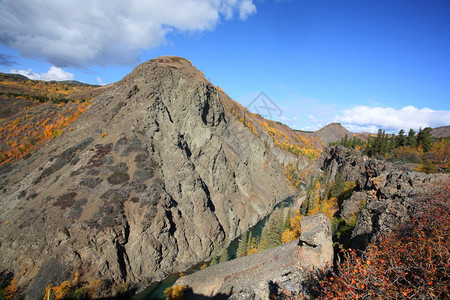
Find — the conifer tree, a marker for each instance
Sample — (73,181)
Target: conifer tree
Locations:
(224,255)
(400,140)
(338,186)
(214,259)
(242,247)
(411,139)
(274,232)
(424,139)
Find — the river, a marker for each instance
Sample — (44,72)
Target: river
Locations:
(156,290)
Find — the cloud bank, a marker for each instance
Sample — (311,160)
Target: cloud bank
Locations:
(81,33)
(364,118)
(54,73)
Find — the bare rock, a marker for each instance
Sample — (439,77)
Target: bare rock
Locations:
(316,241)
(265,274)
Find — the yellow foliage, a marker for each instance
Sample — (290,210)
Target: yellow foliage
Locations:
(11,289)
(287,236)
(175,292)
(57,132)
(295,228)
(318,186)
(62,290)
(48,292)
(93,287)
(252,250)
(330,207)
(295,223)
(59,292)
(76,278)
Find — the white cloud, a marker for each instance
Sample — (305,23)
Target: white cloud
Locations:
(82,33)
(53,73)
(363,118)
(100,81)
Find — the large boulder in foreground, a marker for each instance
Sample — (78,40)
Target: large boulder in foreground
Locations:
(317,245)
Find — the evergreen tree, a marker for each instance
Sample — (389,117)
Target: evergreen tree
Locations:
(400,140)
(242,247)
(411,139)
(287,222)
(384,145)
(338,186)
(274,232)
(224,255)
(378,142)
(369,146)
(345,141)
(424,139)
(249,241)
(305,205)
(214,259)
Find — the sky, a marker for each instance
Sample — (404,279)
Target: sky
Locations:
(367,64)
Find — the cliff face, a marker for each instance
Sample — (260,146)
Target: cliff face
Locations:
(154,175)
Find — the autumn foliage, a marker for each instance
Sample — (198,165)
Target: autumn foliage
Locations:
(33,112)
(175,292)
(282,136)
(411,262)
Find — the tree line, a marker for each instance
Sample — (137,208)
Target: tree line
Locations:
(414,147)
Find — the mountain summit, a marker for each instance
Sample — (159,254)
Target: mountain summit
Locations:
(153,177)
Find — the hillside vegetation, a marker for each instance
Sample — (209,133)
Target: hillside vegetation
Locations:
(32,112)
(276,133)
(429,154)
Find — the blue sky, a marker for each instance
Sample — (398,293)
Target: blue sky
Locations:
(368,64)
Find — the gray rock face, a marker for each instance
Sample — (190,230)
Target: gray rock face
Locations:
(388,192)
(265,274)
(316,242)
(148,180)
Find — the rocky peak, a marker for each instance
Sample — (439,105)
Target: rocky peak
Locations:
(147,182)
(332,132)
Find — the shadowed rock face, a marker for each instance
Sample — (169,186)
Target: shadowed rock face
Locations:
(148,180)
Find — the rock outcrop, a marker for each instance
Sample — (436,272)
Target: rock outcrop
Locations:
(385,193)
(266,274)
(147,181)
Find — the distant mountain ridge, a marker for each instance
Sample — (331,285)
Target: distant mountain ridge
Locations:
(68,82)
(441,132)
(332,132)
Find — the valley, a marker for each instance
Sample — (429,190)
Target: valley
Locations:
(108,190)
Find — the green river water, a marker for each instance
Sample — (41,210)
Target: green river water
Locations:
(156,290)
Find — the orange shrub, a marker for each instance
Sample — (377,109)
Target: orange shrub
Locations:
(412,262)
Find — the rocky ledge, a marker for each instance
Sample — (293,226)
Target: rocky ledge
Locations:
(266,274)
